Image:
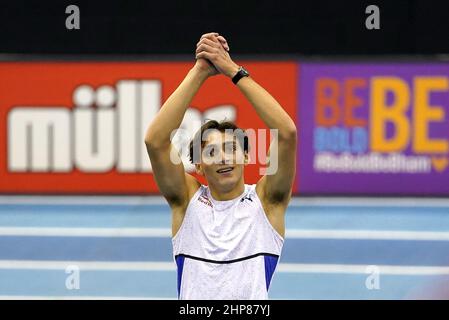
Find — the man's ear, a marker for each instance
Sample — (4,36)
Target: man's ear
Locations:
(199,169)
(247,158)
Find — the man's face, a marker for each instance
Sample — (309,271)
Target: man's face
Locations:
(222,160)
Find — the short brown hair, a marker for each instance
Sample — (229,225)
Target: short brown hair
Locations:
(221,126)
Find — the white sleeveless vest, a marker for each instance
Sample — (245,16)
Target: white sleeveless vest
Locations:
(225,249)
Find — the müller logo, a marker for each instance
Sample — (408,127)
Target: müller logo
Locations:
(103,131)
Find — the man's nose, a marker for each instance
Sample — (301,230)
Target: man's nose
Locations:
(226,158)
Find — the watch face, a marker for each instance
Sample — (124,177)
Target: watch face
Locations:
(240,74)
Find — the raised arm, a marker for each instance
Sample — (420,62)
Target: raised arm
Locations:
(174,184)
(274,189)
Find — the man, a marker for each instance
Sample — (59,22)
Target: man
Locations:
(227,236)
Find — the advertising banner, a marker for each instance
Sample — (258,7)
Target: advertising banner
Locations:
(78,127)
(373,128)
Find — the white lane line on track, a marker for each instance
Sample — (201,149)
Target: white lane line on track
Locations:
(166,232)
(170,266)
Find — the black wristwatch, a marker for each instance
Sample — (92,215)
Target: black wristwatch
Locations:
(240,74)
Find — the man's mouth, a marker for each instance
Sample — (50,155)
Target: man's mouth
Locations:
(225,170)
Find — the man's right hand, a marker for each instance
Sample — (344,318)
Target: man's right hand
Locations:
(204,65)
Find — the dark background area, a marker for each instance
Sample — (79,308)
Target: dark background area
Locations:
(312,27)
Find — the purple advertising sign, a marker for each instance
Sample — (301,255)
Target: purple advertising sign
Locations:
(373,128)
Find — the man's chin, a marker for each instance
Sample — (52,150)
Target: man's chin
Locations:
(226,184)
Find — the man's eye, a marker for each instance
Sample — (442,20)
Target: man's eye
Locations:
(211,152)
(230,148)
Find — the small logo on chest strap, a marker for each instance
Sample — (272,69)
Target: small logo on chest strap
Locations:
(246,198)
(205,200)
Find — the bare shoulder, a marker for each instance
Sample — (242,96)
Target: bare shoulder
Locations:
(274,206)
(192,185)
(179,209)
